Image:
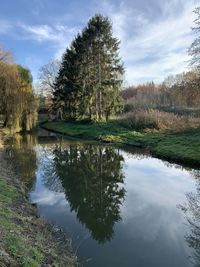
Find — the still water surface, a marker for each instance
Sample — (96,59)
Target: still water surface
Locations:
(121,207)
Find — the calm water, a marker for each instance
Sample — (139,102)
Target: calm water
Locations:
(120,207)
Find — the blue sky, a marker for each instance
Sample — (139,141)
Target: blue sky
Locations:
(154,34)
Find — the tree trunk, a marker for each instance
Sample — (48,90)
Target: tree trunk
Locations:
(97,113)
(90,112)
(107,117)
(5,122)
(100,111)
(99,86)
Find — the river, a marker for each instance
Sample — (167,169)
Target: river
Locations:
(119,206)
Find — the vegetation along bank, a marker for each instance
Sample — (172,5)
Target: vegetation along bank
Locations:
(181,147)
(26,239)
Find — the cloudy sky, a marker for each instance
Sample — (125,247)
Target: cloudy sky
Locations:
(154,34)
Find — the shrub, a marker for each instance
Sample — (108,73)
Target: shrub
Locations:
(159,120)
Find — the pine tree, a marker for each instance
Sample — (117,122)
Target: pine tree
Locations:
(107,67)
(90,76)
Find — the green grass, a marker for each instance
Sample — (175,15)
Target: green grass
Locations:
(182,147)
(25,239)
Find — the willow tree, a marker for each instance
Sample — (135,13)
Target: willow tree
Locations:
(28,99)
(17,100)
(9,95)
(90,75)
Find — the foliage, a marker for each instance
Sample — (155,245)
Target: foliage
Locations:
(17,100)
(28,99)
(90,76)
(96,173)
(21,155)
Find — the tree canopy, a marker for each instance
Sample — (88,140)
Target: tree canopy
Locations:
(18,105)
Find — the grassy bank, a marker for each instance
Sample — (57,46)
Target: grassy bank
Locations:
(182,147)
(26,240)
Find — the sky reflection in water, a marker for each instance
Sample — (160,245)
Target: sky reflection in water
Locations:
(119,208)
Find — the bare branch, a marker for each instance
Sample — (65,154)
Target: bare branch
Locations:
(5,56)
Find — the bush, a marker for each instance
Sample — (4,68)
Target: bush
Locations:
(159,120)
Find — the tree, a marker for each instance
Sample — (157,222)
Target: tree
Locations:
(191,210)
(48,75)
(9,95)
(28,100)
(17,100)
(5,56)
(21,156)
(94,172)
(90,76)
(194,50)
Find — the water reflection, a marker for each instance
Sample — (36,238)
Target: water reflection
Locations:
(191,209)
(92,180)
(81,188)
(21,156)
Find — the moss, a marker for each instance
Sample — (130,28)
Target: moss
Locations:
(182,147)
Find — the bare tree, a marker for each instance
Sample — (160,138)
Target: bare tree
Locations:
(194,50)
(5,56)
(47,76)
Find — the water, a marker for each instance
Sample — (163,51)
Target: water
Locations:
(121,207)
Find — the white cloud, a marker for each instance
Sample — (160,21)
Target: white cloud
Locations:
(40,33)
(47,197)
(153,48)
(59,35)
(172,63)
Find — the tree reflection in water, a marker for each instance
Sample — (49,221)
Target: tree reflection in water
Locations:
(192,213)
(92,179)
(21,157)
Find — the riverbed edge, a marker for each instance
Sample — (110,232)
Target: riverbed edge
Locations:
(26,239)
(180,148)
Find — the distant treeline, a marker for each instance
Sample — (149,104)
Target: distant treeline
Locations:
(176,92)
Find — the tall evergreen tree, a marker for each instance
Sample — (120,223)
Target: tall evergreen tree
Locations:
(90,76)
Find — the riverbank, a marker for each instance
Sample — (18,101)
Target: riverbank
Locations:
(26,239)
(181,147)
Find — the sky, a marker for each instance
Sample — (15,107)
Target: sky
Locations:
(155,34)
